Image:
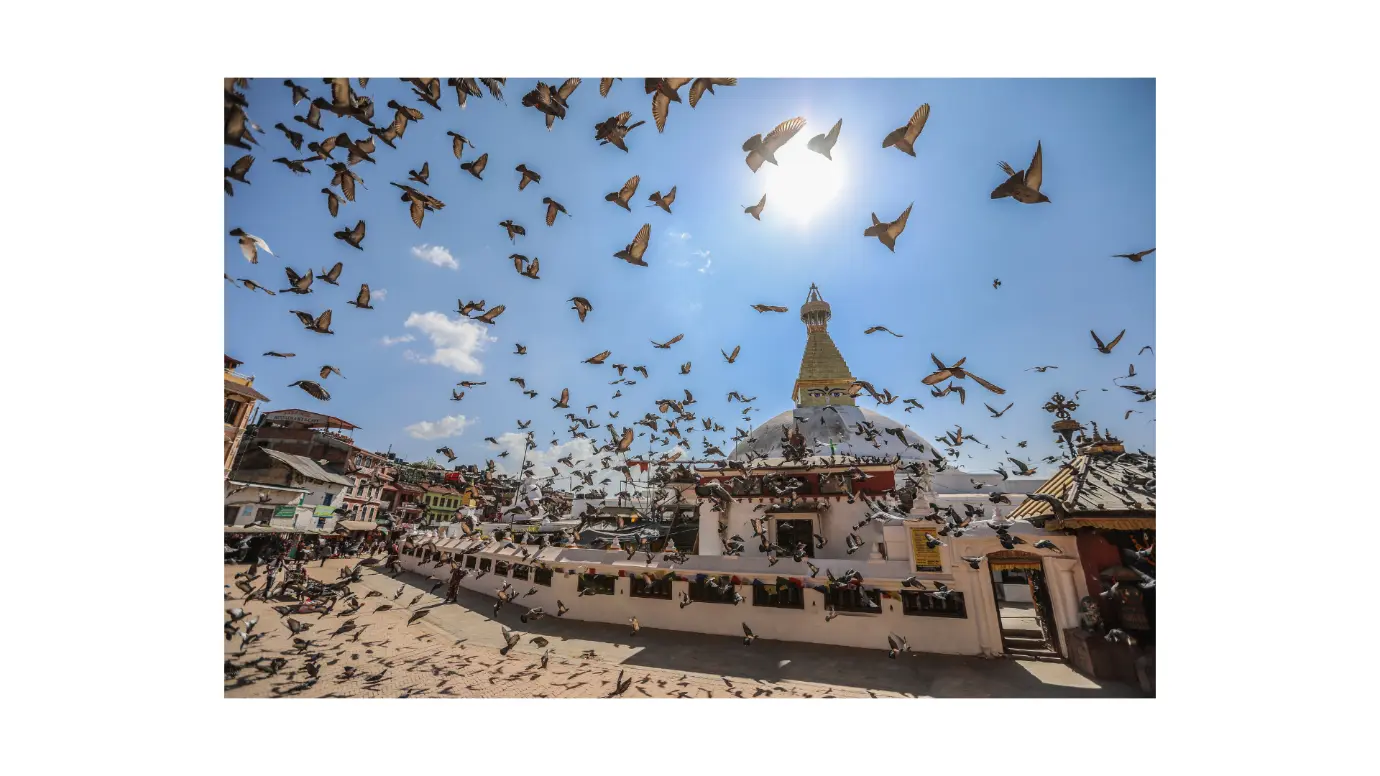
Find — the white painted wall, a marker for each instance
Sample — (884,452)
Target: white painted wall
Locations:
(979,633)
(925,634)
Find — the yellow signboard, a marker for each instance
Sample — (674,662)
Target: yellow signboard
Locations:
(926,559)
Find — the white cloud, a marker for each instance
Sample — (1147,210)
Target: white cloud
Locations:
(457,341)
(707,261)
(390,341)
(449,426)
(673,234)
(583,453)
(436,254)
(379,294)
(543,456)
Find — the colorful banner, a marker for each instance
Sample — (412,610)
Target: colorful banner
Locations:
(324,511)
(926,559)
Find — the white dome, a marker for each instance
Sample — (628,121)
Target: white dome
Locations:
(838,425)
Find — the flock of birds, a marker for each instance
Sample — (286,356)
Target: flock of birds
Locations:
(322,599)
(673,427)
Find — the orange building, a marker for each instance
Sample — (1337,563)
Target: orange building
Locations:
(240,398)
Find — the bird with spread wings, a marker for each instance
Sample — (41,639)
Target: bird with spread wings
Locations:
(957,372)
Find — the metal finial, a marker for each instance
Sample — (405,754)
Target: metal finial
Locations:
(1060,406)
(1065,425)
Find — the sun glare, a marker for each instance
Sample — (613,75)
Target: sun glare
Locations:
(802,186)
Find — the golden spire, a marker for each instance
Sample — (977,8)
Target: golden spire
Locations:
(824,375)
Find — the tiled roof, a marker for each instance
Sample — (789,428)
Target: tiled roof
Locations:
(1106,484)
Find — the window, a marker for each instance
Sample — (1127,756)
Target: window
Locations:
(656,588)
(469,561)
(846,598)
(501,568)
(924,605)
(486,564)
(601,584)
(789,533)
(700,591)
(833,483)
(521,572)
(232,411)
(542,576)
(785,596)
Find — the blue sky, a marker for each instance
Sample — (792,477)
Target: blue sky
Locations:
(709,261)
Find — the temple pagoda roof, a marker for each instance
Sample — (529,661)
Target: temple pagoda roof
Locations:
(1100,488)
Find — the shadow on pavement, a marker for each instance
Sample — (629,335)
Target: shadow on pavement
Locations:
(943,676)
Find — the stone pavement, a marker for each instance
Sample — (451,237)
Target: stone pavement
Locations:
(453,652)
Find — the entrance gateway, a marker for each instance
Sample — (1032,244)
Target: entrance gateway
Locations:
(1024,609)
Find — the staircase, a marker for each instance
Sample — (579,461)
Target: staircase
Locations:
(1027,644)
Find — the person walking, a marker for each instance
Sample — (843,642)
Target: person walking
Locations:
(453,592)
(271,570)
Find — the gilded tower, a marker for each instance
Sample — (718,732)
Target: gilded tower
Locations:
(824,377)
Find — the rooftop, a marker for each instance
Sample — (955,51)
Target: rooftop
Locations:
(244,390)
(307,418)
(305,466)
(1096,484)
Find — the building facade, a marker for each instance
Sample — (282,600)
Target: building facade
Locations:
(369,474)
(440,504)
(319,489)
(405,502)
(240,398)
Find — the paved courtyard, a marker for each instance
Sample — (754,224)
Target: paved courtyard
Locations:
(453,652)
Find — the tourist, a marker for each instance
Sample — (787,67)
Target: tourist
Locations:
(271,570)
(453,592)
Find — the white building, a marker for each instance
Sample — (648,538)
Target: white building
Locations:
(812,473)
(268,471)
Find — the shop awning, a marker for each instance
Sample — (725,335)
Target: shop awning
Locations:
(271,529)
(357,525)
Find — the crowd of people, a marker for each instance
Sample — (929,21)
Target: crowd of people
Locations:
(259,548)
(284,558)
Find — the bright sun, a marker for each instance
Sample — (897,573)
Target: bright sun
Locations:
(802,186)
